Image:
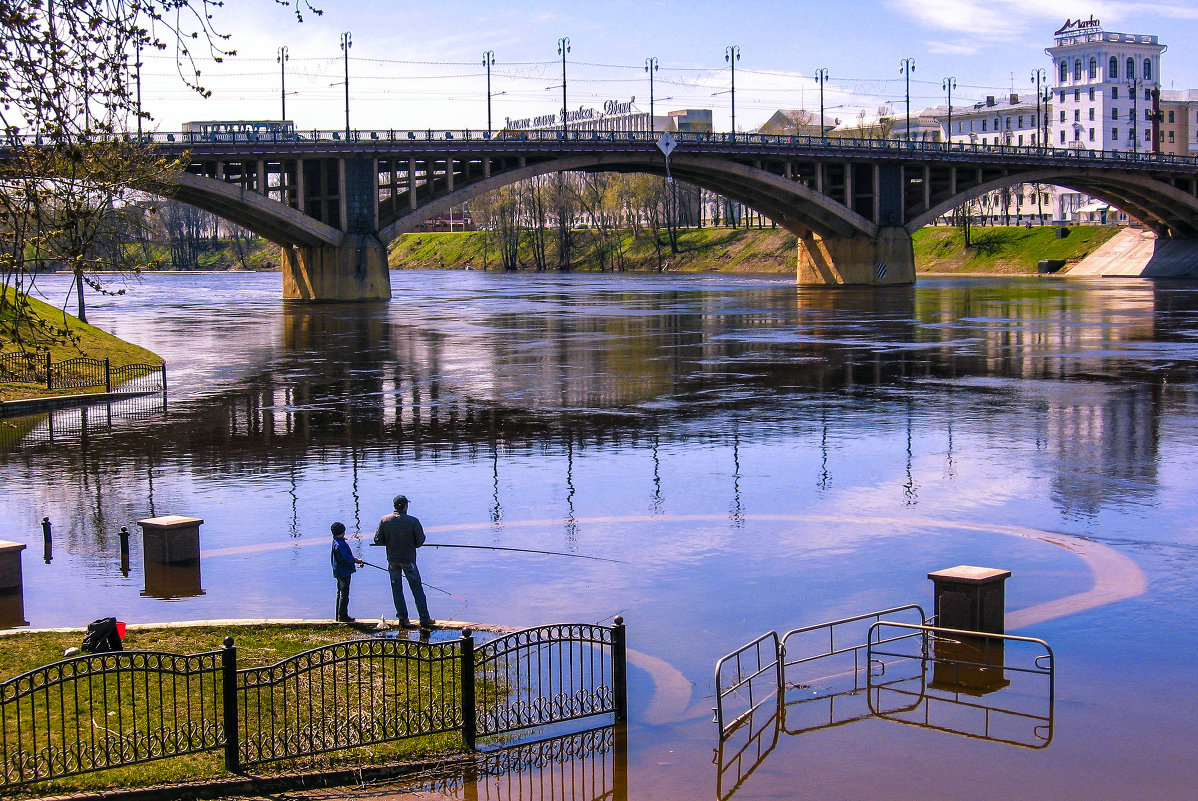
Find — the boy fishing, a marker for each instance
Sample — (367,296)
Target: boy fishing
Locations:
(343,570)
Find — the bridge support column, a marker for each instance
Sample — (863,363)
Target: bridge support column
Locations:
(888,258)
(356,270)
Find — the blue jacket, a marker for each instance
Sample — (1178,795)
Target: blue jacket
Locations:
(342,559)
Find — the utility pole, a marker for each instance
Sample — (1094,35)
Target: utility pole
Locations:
(488,62)
(821,77)
(950,83)
(732,55)
(906,67)
(651,67)
(282,59)
(1039,76)
(347,41)
(563,47)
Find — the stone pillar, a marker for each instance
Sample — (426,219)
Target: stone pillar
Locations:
(357,270)
(886,259)
(171,539)
(969,599)
(12,596)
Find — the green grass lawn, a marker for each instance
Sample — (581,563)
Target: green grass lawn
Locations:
(87,715)
(68,338)
(1003,249)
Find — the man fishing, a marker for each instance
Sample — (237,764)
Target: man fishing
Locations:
(402,534)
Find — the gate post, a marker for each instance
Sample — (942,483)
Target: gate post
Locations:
(469,721)
(49,374)
(228,663)
(619,668)
(107,375)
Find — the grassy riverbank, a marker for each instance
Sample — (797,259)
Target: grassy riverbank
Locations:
(256,646)
(1004,250)
(66,338)
(993,250)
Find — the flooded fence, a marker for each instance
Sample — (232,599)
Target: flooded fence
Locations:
(102,711)
(80,373)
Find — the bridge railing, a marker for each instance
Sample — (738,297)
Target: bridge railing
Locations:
(546,135)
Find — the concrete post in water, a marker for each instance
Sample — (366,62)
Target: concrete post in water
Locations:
(124,535)
(12,599)
(619,669)
(970,598)
(171,539)
(47,541)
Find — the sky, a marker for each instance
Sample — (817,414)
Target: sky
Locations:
(417,65)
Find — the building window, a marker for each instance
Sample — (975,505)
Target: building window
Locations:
(1062,115)
(1171,116)
(1147,94)
(1093,68)
(1021,140)
(1064,75)
(1148,69)
(1091,112)
(1171,139)
(1077,69)
(1091,134)
(1148,115)
(1077,94)
(1113,70)
(1147,135)
(1091,94)
(1020,122)
(1114,93)
(984,123)
(1114,114)
(1131,68)
(1062,95)
(1062,133)
(1114,134)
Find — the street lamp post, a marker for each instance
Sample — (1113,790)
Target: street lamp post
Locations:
(138,57)
(563,47)
(283,58)
(1133,86)
(346,43)
(651,67)
(1040,77)
(488,61)
(906,67)
(950,83)
(821,77)
(732,55)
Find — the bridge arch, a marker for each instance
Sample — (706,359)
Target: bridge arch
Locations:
(789,203)
(1160,206)
(255,212)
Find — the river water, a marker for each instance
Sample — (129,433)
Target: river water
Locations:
(760,457)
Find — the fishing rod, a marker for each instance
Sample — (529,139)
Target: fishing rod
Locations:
(517,550)
(422,581)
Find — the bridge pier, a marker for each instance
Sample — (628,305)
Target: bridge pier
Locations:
(888,258)
(355,270)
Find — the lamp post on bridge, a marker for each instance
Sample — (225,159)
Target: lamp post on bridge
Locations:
(1040,76)
(563,47)
(651,67)
(821,77)
(347,41)
(283,58)
(488,62)
(906,67)
(732,55)
(950,83)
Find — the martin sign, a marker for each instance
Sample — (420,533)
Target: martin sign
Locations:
(611,108)
(1079,26)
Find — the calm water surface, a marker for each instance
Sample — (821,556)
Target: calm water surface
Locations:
(761,457)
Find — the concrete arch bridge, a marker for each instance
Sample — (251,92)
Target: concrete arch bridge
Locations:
(334,202)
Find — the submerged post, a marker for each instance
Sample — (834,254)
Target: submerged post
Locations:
(228,663)
(619,669)
(469,721)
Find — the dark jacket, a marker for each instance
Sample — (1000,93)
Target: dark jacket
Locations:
(402,534)
(342,559)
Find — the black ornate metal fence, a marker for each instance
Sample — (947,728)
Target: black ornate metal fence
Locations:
(80,373)
(95,712)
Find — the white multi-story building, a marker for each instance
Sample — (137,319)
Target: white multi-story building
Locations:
(1105,82)
(1010,120)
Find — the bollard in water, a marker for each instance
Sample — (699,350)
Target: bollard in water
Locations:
(124,534)
(47,542)
(46,530)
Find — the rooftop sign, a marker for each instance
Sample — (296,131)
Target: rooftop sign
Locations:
(1079,26)
(611,108)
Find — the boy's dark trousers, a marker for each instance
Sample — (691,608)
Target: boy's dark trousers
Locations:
(343,598)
